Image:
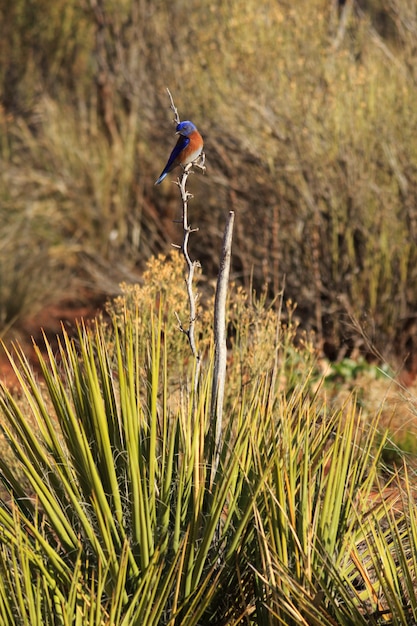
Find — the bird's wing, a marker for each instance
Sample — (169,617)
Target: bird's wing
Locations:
(181,144)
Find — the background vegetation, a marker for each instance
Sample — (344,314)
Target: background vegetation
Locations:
(308,113)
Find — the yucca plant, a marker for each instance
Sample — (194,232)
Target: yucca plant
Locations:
(332,547)
(111,518)
(111,511)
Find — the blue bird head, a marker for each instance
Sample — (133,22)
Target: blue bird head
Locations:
(185,128)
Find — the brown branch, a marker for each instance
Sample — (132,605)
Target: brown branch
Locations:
(190,264)
(177,119)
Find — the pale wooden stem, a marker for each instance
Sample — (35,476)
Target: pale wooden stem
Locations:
(191,265)
(220,350)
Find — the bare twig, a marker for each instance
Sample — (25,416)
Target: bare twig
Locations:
(191,265)
(177,119)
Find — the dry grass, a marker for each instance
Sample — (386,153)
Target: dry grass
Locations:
(309,137)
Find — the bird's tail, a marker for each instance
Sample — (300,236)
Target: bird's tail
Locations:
(161,178)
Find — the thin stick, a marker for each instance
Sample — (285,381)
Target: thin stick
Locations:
(191,265)
(177,119)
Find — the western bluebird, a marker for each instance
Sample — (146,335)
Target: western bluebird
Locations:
(187,149)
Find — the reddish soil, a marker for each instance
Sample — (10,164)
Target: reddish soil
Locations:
(49,321)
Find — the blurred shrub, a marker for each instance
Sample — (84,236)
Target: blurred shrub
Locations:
(309,123)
